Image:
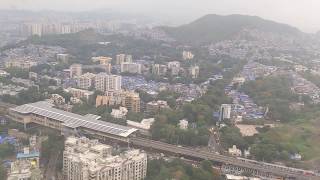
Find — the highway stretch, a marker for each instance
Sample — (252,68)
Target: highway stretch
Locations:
(282,171)
(266,168)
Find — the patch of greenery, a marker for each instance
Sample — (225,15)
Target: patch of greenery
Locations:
(275,93)
(160,170)
(26,96)
(6,150)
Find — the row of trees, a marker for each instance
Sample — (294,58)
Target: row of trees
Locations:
(25,96)
(159,170)
(275,93)
(263,146)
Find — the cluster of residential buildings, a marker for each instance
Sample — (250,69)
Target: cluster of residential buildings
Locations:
(27,163)
(242,105)
(128,99)
(253,70)
(27,56)
(175,68)
(302,86)
(89,159)
(188,92)
(45,28)
(10,89)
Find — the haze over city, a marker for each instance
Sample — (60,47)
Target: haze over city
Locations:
(159,89)
(302,14)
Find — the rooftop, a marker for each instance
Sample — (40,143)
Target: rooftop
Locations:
(30,155)
(72,120)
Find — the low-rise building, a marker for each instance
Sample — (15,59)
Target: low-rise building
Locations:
(79,93)
(183,124)
(159,69)
(21,63)
(23,169)
(155,107)
(26,165)
(119,113)
(144,126)
(58,99)
(4,73)
(33,76)
(234,151)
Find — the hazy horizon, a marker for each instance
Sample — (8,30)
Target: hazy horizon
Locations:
(301,14)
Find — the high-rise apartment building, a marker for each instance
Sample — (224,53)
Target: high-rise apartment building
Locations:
(122,58)
(159,69)
(174,66)
(225,112)
(133,68)
(102,60)
(194,71)
(128,99)
(64,58)
(85,159)
(129,58)
(86,81)
(75,70)
(107,82)
(187,55)
(36,29)
(132,101)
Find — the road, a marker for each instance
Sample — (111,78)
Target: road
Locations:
(51,167)
(261,167)
(202,154)
(213,143)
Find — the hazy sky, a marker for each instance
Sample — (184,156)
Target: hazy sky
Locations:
(304,14)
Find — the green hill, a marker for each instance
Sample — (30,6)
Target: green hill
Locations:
(212,28)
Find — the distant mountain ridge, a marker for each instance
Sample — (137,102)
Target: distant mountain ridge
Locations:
(213,28)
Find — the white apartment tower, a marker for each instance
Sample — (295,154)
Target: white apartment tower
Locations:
(106,82)
(194,71)
(86,81)
(225,112)
(85,159)
(133,68)
(36,29)
(174,66)
(187,55)
(75,70)
(122,58)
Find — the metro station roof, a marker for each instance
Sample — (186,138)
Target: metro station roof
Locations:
(72,120)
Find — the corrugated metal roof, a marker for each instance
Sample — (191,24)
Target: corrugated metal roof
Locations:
(72,120)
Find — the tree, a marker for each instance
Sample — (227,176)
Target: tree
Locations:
(6,150)
(3,172)
(18,72)
(231,136)
(134,116)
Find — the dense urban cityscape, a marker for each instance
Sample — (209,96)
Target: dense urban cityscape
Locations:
(101,96)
